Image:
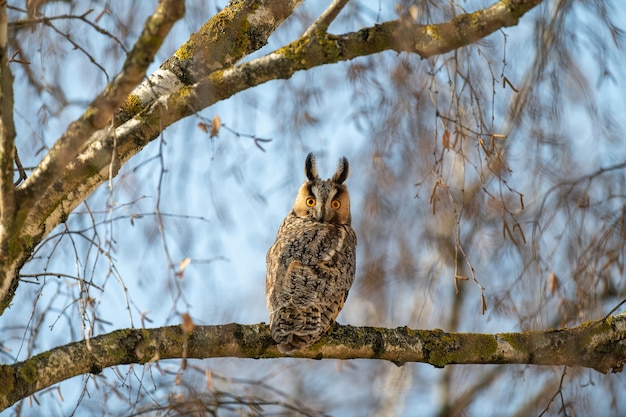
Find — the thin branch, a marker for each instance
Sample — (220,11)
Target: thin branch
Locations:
(614,309)
(77,46)
(60,275)
(598,345)
(82,17)
(20,170)
(559,393)
(214,126)
(321,23)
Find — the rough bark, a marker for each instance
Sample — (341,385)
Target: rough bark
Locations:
(7,158)
(595,344)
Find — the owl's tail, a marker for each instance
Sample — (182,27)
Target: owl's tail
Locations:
(295,328)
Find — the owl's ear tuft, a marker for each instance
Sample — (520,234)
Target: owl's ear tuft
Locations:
(310,169)
(343,170)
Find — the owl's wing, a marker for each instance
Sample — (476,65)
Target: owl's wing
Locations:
(295,318)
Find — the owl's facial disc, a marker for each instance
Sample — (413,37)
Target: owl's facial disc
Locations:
(324,202)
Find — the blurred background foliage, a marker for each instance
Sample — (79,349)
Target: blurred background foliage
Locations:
(488,178)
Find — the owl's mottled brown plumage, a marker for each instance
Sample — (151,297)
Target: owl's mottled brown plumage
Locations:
(310,267)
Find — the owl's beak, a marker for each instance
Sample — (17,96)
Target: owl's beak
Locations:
(320,213)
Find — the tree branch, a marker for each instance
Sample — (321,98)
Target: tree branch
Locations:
(321,23)
(595,344)
(240,29)
(463,30)
(7,153)
(7,128)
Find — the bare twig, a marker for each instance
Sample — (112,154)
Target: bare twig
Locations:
(82,17)
(59,275)
(614,309)
(559,393)
(20,170)
(77,46)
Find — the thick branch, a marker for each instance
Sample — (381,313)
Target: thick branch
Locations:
(7,152)
(84,153)
(7,128)
(461,31)
(597,344)
(240,29)
(65,176)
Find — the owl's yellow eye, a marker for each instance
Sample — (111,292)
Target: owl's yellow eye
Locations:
(335,204)
(310,202)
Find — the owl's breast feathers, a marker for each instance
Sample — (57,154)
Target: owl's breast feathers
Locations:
(313,244)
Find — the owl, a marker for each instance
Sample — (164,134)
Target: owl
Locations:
(310,267)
